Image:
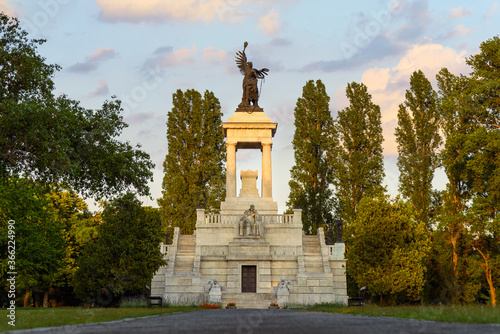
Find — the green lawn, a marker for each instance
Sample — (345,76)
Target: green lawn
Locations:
(467,314)
(48,317)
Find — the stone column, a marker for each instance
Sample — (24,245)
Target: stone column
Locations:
(231,170)
(267,179)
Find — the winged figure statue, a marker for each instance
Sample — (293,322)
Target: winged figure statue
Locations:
(251,75)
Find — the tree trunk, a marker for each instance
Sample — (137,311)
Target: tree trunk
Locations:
(27,298)
(46,298)
(487,272)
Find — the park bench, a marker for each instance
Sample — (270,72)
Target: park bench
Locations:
(359,300)
(153,300)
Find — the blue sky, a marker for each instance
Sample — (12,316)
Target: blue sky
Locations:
(143,51)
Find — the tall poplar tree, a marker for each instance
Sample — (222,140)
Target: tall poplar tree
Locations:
(452,232)
(418,139)
(313,142)
(471,111)
(194,165)
(360,166)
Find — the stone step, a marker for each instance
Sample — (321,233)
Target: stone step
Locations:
(186,244)
(187,238)
(184,263)
(185,251)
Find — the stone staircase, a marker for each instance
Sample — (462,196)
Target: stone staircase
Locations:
(313,260)
(185,254)
(158,282)
(249,300)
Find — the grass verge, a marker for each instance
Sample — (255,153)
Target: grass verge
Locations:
(453,313)
(48,317)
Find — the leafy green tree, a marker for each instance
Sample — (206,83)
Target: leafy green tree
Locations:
(451,237)
(483,146)
(314,143)
(39,236)
(388,248)
(53,139)
(194,165)
(79,228)
(360,167)
(418,140)
(125,256)
(471,109)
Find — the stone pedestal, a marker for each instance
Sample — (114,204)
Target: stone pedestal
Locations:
(249,183)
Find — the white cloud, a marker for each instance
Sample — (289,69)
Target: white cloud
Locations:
(388,85)
(269,24)
(459,12)
(162,10)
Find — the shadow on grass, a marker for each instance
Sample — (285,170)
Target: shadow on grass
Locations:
(451,313)
(27,318)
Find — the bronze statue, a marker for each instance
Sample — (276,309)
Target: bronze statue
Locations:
(250,90)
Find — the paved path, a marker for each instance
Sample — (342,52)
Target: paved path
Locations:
(242,321)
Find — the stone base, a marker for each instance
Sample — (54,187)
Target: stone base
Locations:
(249,109)
(249,248)
(238,205)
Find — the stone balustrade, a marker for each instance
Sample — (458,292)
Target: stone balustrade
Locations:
(164,250)
(220,219)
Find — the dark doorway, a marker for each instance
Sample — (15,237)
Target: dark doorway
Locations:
(248,278)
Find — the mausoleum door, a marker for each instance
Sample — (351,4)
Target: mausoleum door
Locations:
(248,278)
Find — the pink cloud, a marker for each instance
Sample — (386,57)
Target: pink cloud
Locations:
(101,90)
(211,56)
(270,24)
(7,8)
(388,85)
(459,12)
(140,117)
(163,10)
(92,61)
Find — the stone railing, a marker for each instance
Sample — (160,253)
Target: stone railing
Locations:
(331,250)
(164,250)
(215,218)
(277,219)
(336,251)
(212,219)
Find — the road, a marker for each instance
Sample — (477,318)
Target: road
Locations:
(249,321)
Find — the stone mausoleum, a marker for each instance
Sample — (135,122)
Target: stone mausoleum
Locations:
(249,254)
